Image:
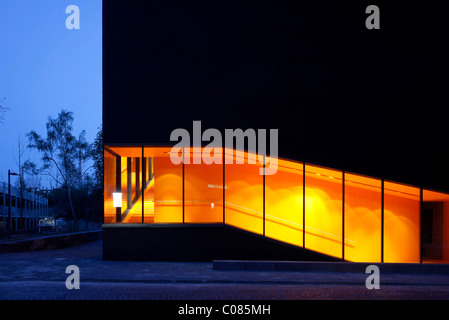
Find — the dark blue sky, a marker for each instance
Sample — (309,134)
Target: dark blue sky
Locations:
(45,67)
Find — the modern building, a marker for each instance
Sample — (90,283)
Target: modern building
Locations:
(339,214)
(362,172)
(25,211)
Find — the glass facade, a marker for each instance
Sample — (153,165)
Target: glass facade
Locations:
(363,218)
(435,226)
(284,203)
(340,214)
(401,223)
(203,191)
(243,194)
(323,210)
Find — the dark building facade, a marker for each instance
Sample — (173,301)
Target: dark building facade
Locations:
(351,105)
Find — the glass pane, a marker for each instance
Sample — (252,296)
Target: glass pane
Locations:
(323,210)
(109,187)
(150,154)
(435,227)
(284,203)
(401,223)
(148,185)
(243,194)
(167,190)
(124,183)
(130,183)
(203,190)
(363,218)
(134,194)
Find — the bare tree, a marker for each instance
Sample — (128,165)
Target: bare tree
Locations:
(33,180)
(21,181)
(61,151)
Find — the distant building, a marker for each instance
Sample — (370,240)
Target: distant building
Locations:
(27,210)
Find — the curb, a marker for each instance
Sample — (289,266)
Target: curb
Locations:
(399,268)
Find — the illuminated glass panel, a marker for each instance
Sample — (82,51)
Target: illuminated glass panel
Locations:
(284,203)
(401,223)
(435,227)
(167,191)
(203,190)
(134,212)
(109,187)
(130,182)
(243,194)
(124,183)
(363,218)
(323,206)
(148,190)
(150,154)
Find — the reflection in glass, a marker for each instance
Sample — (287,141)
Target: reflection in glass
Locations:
(323,204)
(401,223)
(363,215)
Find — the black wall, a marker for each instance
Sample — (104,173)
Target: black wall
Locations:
(370,101)
(190,242)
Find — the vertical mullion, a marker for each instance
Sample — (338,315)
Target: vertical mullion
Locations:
(420,224)
(224,185)
(118,186)
(143,182)
(382,222)
(128,183)
(303,204)
(138,169)
(263,196)
(183,187)
(343,218)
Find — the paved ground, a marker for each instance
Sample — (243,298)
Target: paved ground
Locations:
(41,275)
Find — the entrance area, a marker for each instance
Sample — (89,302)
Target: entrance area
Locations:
(432,231)
(340,214)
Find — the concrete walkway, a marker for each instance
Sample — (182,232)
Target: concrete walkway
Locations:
(42,275)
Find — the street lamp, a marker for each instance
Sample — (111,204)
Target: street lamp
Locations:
(10,199)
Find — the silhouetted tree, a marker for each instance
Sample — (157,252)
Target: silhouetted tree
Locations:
(63,154)
(97,157)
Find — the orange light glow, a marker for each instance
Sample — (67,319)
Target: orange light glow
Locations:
(401,216)
(275,206)
(323,210)
(284,203)
(167,191)
(203,187)
(109,187)
(363,209)
(244,197)
(436,227)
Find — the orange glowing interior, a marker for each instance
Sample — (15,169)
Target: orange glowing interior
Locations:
(167,191)
(435,226)
(203,192)
(363,209)
(323,203)
(401,223)
(284,203)
(301,208)
(109,187)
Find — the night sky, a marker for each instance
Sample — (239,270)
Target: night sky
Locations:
(44,67)
(367,101)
